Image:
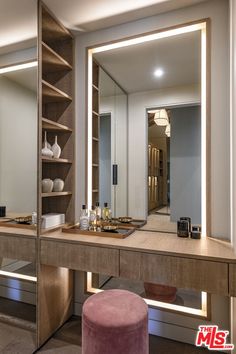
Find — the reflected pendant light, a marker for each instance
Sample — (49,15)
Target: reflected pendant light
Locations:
(161,117)
(167,131)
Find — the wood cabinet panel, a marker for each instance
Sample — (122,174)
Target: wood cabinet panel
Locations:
(195,274)
(80,257)
(17,247)
(232,280)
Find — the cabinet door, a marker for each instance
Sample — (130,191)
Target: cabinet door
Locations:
(232,280)
(181,272)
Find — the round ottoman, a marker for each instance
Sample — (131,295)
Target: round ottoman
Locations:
(115,322)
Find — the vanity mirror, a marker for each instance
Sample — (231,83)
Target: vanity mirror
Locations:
(167,165)
(159,71)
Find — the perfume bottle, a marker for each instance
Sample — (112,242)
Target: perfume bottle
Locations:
(84,218)
(92,219)
(98,213)
(106,212)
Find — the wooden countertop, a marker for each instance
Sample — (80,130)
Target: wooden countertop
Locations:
(155,242)
(14,231)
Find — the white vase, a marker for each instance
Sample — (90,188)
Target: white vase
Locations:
(46,142)
(46,151)
(56,149)
(58,185)
(47,185)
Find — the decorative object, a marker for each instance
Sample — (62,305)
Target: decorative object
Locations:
(161,117)
(196,232)
(160,292)
(52,220)
(47,185)
(182,228)
(46,142)
(24,219)
(167,131)
(58,185)
(56,149)
(46,151)
(2,211)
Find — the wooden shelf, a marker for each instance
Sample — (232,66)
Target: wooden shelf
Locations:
(52,29)
(49,229)
(95,87)
(53,160)
(95,139)
(96,113)
(55,194)
(95,190)
(48,124)
(52,94)
(52,61)
(95,165)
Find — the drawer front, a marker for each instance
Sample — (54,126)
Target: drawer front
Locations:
(79,257)
(232,280)
(17,247)
(181,272)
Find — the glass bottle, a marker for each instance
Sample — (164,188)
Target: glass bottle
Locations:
(106,213)
(92,219)
(84,218)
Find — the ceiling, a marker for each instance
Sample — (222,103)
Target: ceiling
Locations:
(18,19)
(133,67)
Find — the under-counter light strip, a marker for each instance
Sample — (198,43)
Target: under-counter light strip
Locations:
(90,130)
(18,276)
(17,67)
(163,305)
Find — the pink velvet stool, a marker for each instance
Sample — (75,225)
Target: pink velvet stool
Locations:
(115,322)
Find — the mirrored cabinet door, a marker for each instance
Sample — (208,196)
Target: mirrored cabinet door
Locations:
(18,192)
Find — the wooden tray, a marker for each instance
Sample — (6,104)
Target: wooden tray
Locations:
(121,232)
(12,223)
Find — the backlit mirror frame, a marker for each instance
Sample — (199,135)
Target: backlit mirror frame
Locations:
(202,25)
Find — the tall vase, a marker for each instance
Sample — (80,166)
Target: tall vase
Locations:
(56,149)
(46,151)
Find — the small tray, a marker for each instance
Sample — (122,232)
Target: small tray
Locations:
(120,232)
(13,223)
(136,223)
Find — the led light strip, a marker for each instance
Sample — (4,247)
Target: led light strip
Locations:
(18,276)
(163,305)
(17,67)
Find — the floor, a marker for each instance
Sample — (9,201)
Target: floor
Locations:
(68,341)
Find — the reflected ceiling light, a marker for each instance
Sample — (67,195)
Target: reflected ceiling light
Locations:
(17,67)
(167,131)
(159,72)
(161,117)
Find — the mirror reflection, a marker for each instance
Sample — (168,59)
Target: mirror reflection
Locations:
(18,202)
(162,174)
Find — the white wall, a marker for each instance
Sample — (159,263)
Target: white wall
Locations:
(185,164)
(217,11)
(18,147)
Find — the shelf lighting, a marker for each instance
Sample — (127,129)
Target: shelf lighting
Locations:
(22,66)
(18,276)
(161,118)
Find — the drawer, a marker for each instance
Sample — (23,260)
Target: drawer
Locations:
(18,247)
(181,272)
(232,280)
(80,257)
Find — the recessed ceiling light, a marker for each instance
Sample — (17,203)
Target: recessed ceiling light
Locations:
(159,72)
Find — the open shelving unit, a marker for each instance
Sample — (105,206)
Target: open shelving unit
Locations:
(95,134)
(56,112)
(56,117)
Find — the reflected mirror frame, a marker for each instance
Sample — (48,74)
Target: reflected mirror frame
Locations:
(202,25)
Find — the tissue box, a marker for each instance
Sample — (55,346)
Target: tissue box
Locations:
(52,219)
